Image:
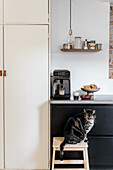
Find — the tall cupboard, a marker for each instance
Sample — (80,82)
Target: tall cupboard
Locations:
(1,100)
(26,96)
(24,85)
(1,11)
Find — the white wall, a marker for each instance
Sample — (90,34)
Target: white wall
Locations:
(90,19)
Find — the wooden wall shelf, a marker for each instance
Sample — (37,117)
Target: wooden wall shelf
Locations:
(80,50)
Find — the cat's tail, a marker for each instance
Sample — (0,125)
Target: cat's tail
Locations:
(61,150)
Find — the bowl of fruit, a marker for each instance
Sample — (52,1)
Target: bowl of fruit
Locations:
(90,88)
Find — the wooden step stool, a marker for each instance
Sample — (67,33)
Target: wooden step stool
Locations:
(70,147)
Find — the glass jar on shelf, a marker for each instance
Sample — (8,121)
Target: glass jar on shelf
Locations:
(77,43)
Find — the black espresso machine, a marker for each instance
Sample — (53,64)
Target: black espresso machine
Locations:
(60,84)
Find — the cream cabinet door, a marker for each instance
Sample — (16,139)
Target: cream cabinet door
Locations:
(26,11)
(1,100)
(26,97)
(1,11)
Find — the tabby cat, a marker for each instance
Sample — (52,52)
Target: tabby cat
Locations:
(76,128)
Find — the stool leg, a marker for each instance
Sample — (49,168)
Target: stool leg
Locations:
(84,158)
(87,161)
(53,159)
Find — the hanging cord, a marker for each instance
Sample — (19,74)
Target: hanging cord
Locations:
(70,31)
(70,14)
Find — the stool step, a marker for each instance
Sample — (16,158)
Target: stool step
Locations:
(70,149)
(58,140)
(69,169)
(69,162)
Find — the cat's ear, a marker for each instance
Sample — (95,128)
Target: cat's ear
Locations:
(84,110)
(94,111)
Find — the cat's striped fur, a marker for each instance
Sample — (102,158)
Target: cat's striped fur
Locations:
(77,127)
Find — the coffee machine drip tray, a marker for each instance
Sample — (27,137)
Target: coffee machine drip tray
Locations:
(60,97)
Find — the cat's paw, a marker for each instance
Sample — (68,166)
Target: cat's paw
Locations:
(61,158)
(69,142)
(86,140)
(61,153)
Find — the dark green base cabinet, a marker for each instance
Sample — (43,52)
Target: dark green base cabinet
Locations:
(100,137)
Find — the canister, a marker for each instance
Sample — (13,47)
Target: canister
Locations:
(67,46)
(77,43)
(98,46)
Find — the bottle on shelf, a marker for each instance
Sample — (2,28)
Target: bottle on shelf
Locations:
(85,44)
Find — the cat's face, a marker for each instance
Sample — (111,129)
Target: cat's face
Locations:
(89,114)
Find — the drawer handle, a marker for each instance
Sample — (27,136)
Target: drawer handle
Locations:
(0,73)
(5,73)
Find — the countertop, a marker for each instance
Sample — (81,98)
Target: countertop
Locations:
(98,99)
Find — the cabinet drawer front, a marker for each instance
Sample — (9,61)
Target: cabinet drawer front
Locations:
(103,124)
(59,116)
(101,150)
(104,120)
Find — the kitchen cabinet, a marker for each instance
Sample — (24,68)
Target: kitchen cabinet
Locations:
(101,150)
(26,96)
(100,137)
(1,100)
(103,124)
(27,11)
(1,11)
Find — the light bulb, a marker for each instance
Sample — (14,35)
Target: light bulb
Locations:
(70,39)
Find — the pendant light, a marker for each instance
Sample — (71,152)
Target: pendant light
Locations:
(70,38)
